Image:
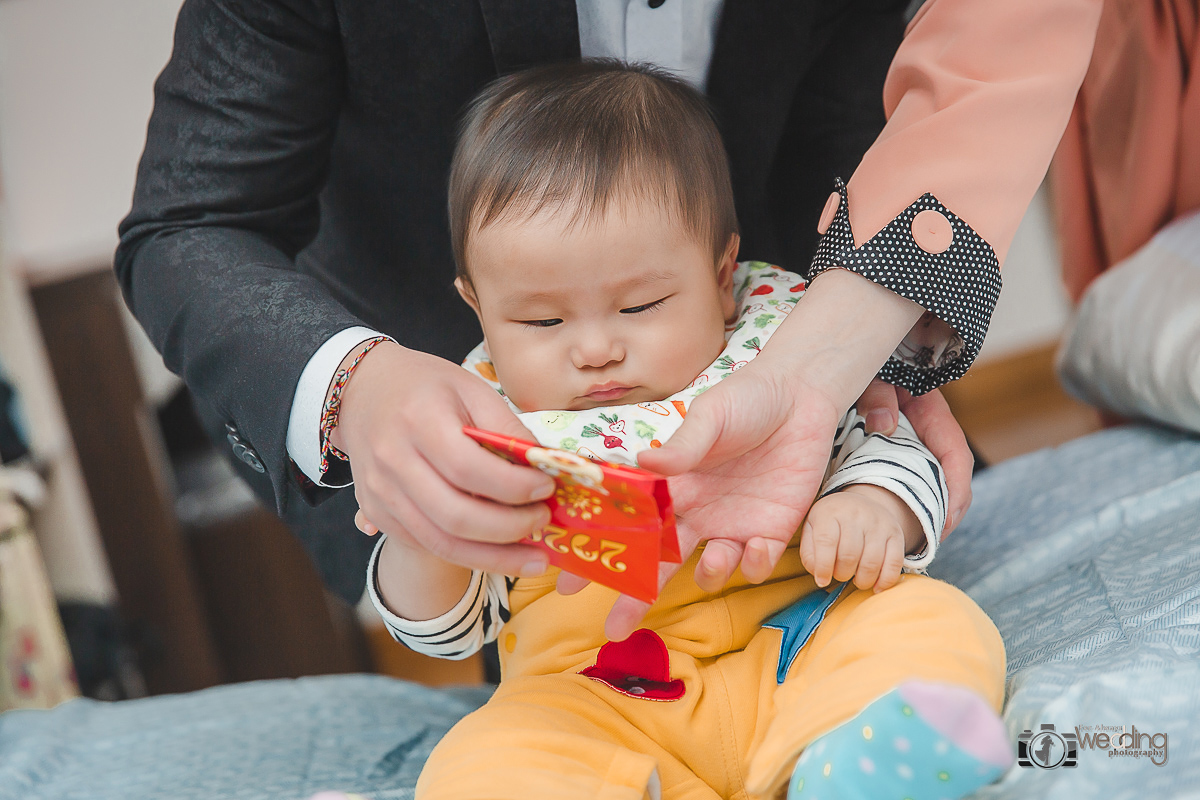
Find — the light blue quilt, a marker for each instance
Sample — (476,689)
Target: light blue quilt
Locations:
(1086,556)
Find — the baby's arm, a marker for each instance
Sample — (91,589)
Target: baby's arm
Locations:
(434,607)
(882,510)
(416,585)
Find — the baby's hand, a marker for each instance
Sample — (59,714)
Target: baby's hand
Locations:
(861,532)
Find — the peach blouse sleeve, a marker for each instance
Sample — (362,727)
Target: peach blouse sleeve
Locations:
(977,98)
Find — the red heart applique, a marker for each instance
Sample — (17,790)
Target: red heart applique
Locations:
(764,289)
(639,667)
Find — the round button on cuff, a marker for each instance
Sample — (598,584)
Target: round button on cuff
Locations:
(510,642)
(829,212)
(655,3)
(932,232)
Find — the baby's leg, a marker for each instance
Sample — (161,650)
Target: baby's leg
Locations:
(931,740)
(923,646)
(551,737)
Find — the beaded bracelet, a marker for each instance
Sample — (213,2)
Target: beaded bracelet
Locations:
(329,416)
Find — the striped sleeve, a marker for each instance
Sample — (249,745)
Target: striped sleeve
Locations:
(899,463)
(459,633)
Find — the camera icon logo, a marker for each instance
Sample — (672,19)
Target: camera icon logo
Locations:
(1047,748)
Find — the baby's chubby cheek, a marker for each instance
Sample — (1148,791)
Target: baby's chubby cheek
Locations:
(529,387)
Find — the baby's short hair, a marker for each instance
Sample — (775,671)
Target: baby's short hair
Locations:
(577,136)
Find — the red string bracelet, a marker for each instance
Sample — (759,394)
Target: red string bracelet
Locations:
(329,416)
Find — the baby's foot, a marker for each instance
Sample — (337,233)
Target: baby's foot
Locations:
(921,740)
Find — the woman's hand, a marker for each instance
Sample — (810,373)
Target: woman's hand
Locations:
(746,466)
(416,472)
(757,444)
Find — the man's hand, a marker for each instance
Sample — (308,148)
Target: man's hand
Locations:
(416,472)
(934,423)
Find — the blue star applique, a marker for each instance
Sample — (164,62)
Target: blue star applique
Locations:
(797,623)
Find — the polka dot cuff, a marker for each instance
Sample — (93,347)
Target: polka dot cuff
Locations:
(928,255)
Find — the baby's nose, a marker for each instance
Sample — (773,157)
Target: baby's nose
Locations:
(596,351)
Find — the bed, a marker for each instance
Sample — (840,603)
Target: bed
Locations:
(1086,556)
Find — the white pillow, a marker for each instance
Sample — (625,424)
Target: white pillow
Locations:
(1133,346)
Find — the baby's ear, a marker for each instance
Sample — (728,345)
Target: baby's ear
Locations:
(467,292)
(725,278)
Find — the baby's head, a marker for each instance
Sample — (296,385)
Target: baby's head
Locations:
(595,233)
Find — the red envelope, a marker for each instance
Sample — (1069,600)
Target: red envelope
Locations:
(609,523)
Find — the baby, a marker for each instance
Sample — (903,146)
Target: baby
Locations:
(596,239)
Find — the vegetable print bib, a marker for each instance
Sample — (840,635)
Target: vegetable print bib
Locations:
(765,295)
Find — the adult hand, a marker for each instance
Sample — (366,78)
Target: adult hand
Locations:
(747,464)
(757,444)
(934,423)
(416,472)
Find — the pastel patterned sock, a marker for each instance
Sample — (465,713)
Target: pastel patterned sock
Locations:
(920,741)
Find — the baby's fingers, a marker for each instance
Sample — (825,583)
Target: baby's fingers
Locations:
(871,561)
(849,552)
(893,562)
(819,547)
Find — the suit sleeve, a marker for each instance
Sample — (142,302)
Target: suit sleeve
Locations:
(236,153)
(977,97)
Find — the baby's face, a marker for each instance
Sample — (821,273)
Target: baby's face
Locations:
(626,308)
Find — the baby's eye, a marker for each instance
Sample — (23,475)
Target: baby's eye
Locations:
(648,307)
(540,323)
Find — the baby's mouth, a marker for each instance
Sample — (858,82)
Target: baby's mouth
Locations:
(607,392)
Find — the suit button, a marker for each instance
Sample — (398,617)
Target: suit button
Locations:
(248,457)
(655,3)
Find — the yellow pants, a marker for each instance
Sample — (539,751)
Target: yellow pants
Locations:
(551,733)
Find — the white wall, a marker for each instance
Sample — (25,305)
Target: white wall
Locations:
(1033,306)
(76,80)
(76,90)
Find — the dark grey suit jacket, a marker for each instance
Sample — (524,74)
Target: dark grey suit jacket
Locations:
(294,184)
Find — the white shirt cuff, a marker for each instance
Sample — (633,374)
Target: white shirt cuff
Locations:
(304,424)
